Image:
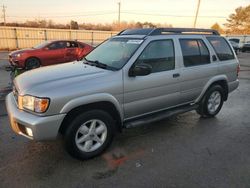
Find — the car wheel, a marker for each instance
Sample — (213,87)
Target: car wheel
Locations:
(89,134)
(212,102)
(32,63)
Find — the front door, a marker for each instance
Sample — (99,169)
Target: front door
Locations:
(158,90)
(54,53)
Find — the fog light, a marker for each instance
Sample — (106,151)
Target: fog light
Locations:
(29,131)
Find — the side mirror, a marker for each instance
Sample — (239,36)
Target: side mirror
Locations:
(140,70)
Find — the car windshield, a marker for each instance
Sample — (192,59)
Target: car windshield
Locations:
(42,45)
(115,52)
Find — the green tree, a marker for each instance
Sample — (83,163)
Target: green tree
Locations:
(239,22)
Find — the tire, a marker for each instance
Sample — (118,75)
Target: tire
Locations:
(81,140)
(32,63)
(212,102)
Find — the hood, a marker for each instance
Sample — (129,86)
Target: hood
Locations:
(22,51)
(56,76)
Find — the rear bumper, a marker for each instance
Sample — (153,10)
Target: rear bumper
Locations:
(43,128)
(233,85)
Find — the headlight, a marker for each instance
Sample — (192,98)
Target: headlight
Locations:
(32,103)
(17,55)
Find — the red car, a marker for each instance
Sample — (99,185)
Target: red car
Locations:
(49,53)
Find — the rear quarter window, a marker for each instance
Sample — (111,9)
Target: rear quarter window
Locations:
(222,48)
(80,45)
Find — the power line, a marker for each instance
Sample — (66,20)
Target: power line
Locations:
(100,13)
(169,15)
(63,16)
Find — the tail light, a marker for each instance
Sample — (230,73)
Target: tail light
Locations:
(238,69)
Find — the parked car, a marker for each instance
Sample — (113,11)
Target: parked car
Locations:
(246,47)
(239,39)
(235,46)
(49,53)
(137,77)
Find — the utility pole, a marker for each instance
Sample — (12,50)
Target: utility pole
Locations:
(119,14)
(4,14)
(197,12)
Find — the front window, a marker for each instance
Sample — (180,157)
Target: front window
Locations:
(159,55)
(114,52)
(42,45)
(57,45)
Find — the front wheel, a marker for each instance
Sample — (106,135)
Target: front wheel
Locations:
(212,102)
(89,134)
(32,63)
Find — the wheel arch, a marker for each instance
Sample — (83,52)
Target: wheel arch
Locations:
(25,62)
(108,104)
(33,57)
(219,80)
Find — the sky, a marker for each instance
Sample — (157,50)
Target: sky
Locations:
(178,13)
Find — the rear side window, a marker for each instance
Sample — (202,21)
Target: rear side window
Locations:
(158,54)
(72,45)
(194,52)
(222,48)
(57,45)
(81,45)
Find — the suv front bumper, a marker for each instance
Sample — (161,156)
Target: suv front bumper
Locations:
(42,127)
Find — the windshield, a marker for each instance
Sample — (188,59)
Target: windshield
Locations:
(114,52)
(39,46)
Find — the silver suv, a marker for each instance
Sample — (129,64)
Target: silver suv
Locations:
(136,77)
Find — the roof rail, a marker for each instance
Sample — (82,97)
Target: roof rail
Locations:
(145,31)
(165,31)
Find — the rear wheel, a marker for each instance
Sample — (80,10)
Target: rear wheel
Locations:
(32,63)
(89,134)
(212,102)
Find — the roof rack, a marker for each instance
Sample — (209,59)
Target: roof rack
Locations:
(165,31)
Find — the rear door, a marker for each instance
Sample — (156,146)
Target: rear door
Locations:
(158,90)
(197,67)
(71,51)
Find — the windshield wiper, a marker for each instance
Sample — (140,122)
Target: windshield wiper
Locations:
(98,64)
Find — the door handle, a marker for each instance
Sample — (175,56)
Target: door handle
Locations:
(176,75)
